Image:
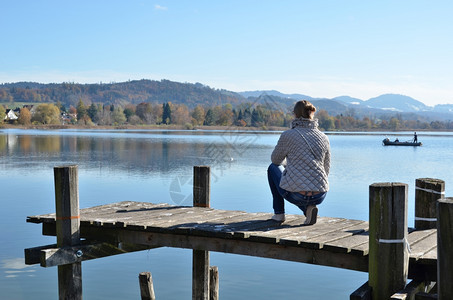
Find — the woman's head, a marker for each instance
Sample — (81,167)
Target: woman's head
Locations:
(304,109)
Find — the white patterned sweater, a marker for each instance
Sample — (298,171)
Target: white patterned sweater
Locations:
(307,160)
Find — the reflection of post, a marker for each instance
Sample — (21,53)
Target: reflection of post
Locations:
(388,252)
(68,229)
(200,258)
(444,246)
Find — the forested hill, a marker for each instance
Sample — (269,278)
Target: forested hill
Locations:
(135,92)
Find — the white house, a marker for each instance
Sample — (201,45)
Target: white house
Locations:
(10,115)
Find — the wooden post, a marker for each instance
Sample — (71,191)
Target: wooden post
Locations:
(146,286)
(388,248)
(68,229)
(444,248)
(201,186)
(200,258)
(213,283)
(427,192)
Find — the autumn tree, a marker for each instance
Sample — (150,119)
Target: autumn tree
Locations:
(46,114)
(2,113)
(118,116)
(129,111)
(144,111)
(180,115)
(326,122)
(81,110)
(198,115)
(24,117)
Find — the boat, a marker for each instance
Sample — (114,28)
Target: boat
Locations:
(387,142)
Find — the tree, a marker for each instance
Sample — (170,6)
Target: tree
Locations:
(24,117)
(198,115)
(2,113)
(166,115)
(144,112)
(180,115)
(92,111)
(47,114)
(118,116)
(129,111)
(209,119)
(81,110)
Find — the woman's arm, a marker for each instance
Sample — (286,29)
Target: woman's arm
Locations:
(280,151)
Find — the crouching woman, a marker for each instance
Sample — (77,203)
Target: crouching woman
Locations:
(300,165)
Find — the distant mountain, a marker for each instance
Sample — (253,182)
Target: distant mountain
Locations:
(399,103)
(275,93)
(443,108)
(349,100)
(383,106)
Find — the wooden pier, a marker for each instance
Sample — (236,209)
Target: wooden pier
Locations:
(391,252)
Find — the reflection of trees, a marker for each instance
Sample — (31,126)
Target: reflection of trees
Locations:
(50,144)
(3,144)
(134,155)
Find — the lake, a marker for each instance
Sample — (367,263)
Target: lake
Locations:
(156,166)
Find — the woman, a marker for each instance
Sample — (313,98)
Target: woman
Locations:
(300,165)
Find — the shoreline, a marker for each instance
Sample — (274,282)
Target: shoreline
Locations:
(195,128)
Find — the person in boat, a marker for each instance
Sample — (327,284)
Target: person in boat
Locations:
(397,140)
(415,137)
(300,165)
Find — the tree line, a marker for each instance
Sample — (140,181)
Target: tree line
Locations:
(243,115)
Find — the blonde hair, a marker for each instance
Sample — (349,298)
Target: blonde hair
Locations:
(304,109)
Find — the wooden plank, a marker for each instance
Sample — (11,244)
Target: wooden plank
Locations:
(412,289)
(423,246)
(362,293)
(67,255)
(305,236)
(234,246)
(350,244)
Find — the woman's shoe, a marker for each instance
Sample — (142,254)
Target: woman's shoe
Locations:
(278,217)
(312,215)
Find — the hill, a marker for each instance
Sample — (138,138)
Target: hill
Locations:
(119,93)
(193,94)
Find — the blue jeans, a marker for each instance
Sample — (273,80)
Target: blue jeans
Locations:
(274,175)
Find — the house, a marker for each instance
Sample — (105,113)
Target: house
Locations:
(10,115)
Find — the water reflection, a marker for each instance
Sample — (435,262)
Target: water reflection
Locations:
(135,155)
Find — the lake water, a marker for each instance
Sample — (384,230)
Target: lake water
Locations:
(156,166)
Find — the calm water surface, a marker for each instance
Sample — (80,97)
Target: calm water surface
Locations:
(156,166)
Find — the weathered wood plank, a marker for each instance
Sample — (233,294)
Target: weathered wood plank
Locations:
(362,293)
(412,289)
(357,243)
(423,246)
(235,246)
(60,256)
(334,235)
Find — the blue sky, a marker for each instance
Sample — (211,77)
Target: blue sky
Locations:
(319,48)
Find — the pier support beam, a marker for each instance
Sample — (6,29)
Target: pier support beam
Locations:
(200,258)
(68,229)
(427,192)
(444,246)
(146,286)
(388,246)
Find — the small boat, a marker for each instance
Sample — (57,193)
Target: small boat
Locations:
(387,142)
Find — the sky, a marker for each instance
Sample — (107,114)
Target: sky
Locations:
(322,48)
